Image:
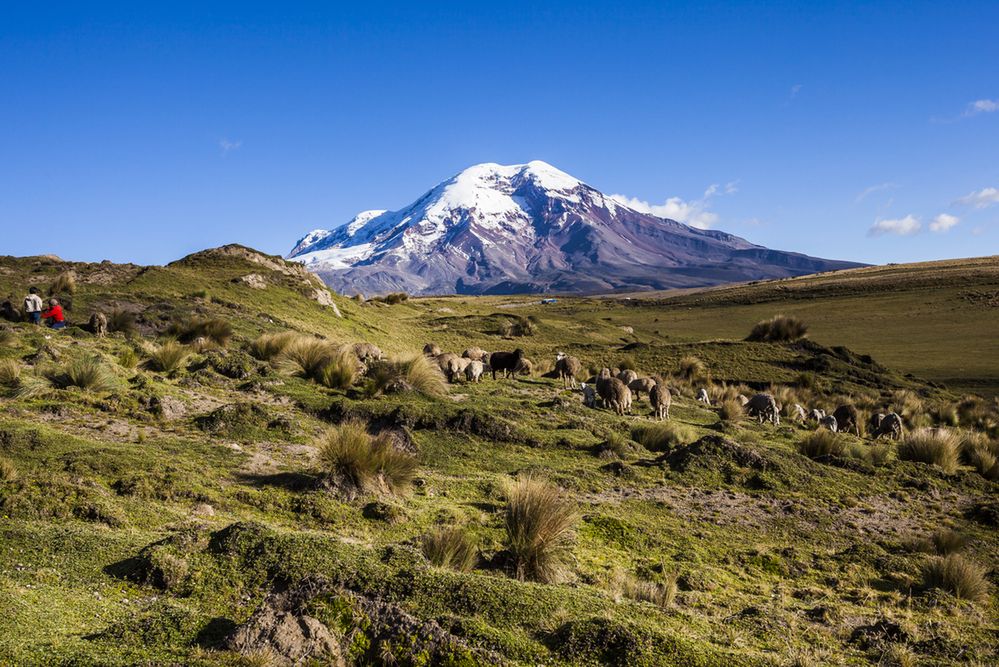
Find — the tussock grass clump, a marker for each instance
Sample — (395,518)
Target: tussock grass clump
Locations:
(7,337)
(517,326)
(128,358)
(778,329)
(413,373)
(935,446)
(10,372)
(955,574)
(627,364)
(693,369)
(615,446)
(270,345)
(8,471)
(659,437)
(822,444)
(64,283)
(320,361)
(450,547)
(907,404)
(943,542)
(31,386)
(731,410)
(355,462)
(981,453)
(214,329)
(122,321)
(88,374)
(660,593)
(539,525)
(166,358)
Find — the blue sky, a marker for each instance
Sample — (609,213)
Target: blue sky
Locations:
(140,134)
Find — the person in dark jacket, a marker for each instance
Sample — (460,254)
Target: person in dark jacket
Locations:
(53,316)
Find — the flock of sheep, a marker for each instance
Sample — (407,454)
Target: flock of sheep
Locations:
(616,389)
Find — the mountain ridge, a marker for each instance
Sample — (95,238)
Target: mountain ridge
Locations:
(500,229)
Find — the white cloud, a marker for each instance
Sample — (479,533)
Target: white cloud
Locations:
(981,106)
(227,145)
(981,198)
(906,226)
(880,187)
(694,212)
(943,222)
(793,93)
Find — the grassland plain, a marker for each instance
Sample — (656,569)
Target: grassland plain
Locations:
(144,522)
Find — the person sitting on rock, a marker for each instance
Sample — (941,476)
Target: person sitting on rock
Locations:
(53,316)
(33,306)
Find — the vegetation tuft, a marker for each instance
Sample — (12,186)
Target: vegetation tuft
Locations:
(356,463)
(539,525)
(778,329)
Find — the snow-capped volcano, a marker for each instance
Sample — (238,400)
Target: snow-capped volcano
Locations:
(496,229)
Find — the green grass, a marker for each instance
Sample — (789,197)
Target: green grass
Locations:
(137,523)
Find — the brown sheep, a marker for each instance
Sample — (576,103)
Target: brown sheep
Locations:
(627,376)
(847,419)
(764,408)
(567,368)
(661,399)
(99,325)
(452,365)
(432,350)
(366,352)
(475,354)
(640,385)
(890,426)
(524,367)
(614,393)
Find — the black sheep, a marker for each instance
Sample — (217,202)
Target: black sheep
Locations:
(505,361)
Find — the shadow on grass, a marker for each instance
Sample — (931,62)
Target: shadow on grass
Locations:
(292,481)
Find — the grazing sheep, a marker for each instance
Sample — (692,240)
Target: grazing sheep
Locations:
(474,370)
(475,354)
(874,423)
(847,419)
(817,415)
(799,413)
(524,367)
(614,393)
(589,395)
(99,325)
(702,396)
(567,368)
(743,401)
(890,426)
(627,377)
(660,399)
(829,422)
(452,365)
(642,385)
(764,408)
(505,361)
(366,352)
(432,350)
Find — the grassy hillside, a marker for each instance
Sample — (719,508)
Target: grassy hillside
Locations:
(167,506)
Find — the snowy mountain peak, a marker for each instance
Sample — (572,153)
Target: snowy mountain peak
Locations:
(530,227)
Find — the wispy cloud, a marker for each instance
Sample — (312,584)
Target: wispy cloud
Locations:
(694,212)
(880,187)
(793,93)
(227,146)
(943,222)
(906,226)
(981,106)
(980,198)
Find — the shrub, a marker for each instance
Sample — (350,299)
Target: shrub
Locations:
(88,374)
(539,529)
(659,437)
(64,283)
(450,547)
(168,357)
(730,410)
(356,463)
(415,373)
(778,329)
(270,345)
(958,576)
(8,472)
(215,329)
(938,447)
(122,321)
(396,298)
(10,372)
(693,369)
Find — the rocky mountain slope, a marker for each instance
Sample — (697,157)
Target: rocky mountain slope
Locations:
(531,228)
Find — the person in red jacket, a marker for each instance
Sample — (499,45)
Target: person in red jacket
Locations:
(53,316)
